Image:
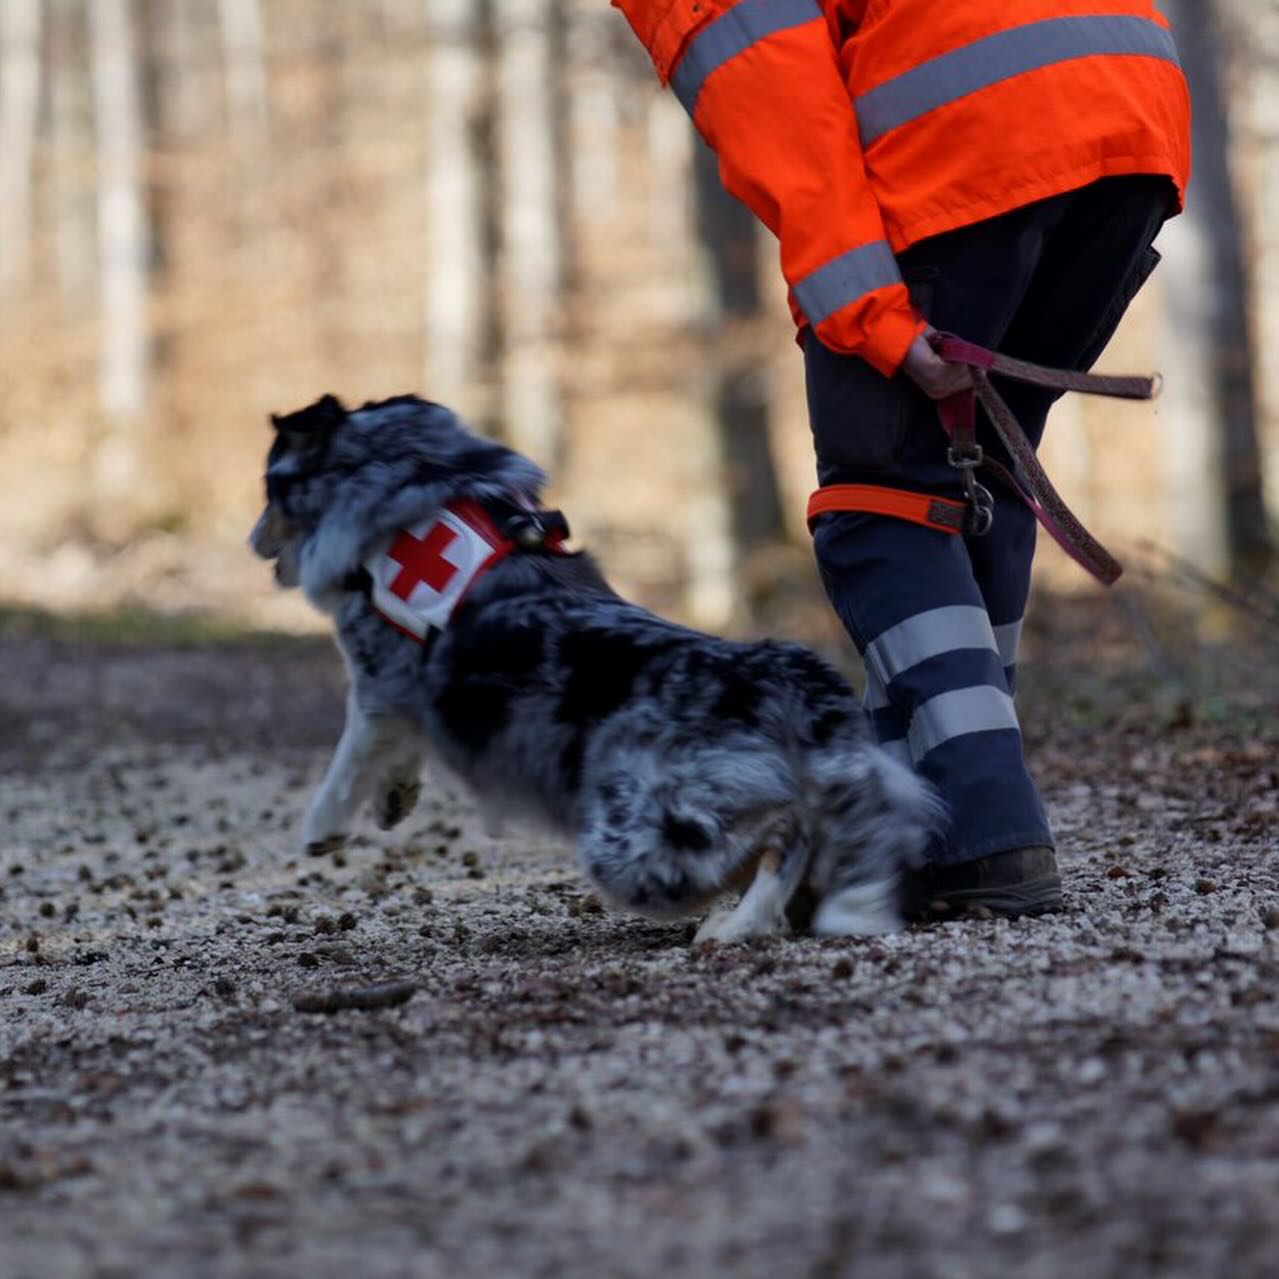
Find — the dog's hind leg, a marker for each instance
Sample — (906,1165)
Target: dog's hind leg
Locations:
(363,751)
(779,871)
(876,817)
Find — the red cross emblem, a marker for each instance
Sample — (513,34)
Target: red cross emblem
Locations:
(422,560)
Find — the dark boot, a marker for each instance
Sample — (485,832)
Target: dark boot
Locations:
(1022,881)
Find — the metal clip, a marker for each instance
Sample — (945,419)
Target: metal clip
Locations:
(965,461)
(526,531)
(980,515)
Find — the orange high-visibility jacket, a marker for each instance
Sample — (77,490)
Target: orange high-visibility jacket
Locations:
(854,128)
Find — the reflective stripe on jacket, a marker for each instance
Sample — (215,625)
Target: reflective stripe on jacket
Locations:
(854,128)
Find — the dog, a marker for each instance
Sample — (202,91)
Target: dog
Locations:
(686,766)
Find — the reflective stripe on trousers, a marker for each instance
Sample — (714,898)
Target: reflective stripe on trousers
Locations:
(939,675)
(932,636)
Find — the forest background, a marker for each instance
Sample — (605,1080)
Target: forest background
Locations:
(211,210)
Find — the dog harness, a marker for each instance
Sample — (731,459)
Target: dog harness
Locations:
(974,516)
(420,578)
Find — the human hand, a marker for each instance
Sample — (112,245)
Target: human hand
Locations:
(933,375)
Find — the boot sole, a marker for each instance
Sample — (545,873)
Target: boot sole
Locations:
(1040,896)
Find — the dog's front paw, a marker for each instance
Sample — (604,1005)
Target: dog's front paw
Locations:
(323,830)
(396,799)
(726,926)
(323,846)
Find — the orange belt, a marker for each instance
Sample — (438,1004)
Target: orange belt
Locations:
(941,513)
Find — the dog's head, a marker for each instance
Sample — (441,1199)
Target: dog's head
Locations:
(339,481)
(294,504)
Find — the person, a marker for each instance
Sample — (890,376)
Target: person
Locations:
(994,170)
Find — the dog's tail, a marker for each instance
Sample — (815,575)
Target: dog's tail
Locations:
(665,837)
(873,819)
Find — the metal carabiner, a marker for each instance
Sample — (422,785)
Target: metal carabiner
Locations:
(967,461)
(980,515)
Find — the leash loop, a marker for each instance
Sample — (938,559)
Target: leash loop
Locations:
(1028,479)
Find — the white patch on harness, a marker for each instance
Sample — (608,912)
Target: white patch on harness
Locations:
(423,573)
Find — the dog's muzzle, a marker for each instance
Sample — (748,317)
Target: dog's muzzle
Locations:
(272,539)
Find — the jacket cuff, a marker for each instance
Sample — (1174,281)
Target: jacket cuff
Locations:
(883,340)
(888,343)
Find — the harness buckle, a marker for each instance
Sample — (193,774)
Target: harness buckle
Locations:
(535,530)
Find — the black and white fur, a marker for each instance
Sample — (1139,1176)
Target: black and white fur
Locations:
(685,765)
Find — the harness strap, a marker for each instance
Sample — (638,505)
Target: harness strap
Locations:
(938,513)
(421,579)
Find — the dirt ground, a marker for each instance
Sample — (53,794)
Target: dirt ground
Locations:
(574,1093)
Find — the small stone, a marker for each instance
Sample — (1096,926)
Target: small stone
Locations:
(326,924)
(37,987)
(1006,1219)
(1092,1071)
(842,967)
(781,1121)
(308,959)
(48,910)
(347,921)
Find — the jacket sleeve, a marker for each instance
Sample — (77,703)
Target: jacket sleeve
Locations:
(762,82)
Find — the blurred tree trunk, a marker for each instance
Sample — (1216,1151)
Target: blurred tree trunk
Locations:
(1256,27)
(736,383)
(531,254)
(1208,283)
(71,124)
(181,106)
(19,103)
(592,126)
(244,65)
(456,291)
(123,234)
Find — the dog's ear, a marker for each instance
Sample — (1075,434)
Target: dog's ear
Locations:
(325,415)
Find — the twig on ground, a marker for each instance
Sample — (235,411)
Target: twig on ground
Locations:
(387,994)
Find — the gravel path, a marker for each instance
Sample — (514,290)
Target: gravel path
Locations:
(570,1092)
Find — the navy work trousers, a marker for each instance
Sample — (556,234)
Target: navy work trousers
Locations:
(937,617)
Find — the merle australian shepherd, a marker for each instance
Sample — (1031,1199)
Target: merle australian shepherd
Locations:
(687,767)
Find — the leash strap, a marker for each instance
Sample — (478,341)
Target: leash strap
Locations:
(1028,479)
(957,350)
